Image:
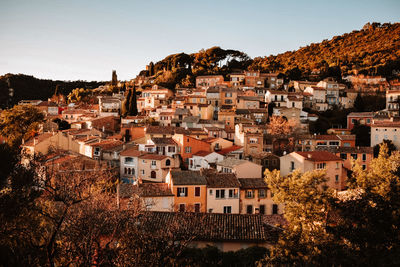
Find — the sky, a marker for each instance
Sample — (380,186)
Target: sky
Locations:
(87,39)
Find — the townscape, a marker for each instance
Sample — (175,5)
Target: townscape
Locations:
(232,161)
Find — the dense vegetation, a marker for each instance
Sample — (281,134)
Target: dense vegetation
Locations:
(183,68)
(373,50)
(29,87)
(359,228)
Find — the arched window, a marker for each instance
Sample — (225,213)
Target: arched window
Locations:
(125,171)
(153,174)
(168,162)
(133,171)
(129,170)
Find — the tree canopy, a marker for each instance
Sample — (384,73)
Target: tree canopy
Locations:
(20,122)
(358,227)
(374,50)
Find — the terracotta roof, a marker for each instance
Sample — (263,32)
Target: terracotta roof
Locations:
(187,178)
(153,156)
(213,129)
(220,180)
(215,227)
(107,144)
(159,130)
(232,162)
(229,149)
(163,141)
(335,137)
(213,90)
(386,124)
(360,149)
(131,152)
(249,183)
(155,190)
(275,219)
(319,156)
(166,113)
(182,111)
(202,153)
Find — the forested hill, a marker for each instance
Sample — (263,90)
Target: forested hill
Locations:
(375,49)
(29,87)
(182,68)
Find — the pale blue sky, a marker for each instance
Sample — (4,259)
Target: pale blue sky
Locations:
(71,39)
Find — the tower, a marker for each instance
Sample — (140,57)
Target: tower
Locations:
(114,79)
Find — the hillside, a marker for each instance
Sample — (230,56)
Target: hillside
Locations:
(182,68)
(29,87)
(373,50)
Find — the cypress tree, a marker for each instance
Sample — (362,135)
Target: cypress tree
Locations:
(359,103)
(126,104)
(133,111)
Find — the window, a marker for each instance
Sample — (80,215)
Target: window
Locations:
(228,94)
(197,207)
(292,166)
(233,193)
(262,209)
(353,121)
(142,172)
(188,149)
(364,166)
(368,121)
(153,163)
(182,207)
(337,178)
(354,156)
(249,194)
(227,170)
(128,160)
(261,193)
(274,209)
(343,155)
(364,157)
(153,174)
(211,192)
(220,193)
(321,166)
(197,191)
(227,209)
(168,162)
(171,149)
(334,143)
(253,140)
(182,191)
(337,165)
(249,209)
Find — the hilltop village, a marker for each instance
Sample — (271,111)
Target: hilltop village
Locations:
(205,149)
